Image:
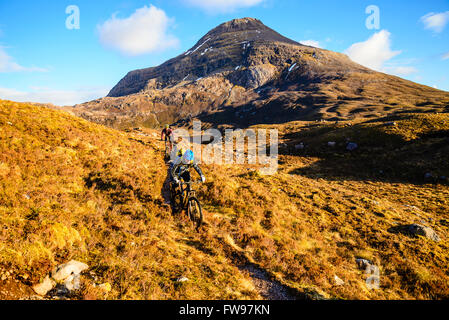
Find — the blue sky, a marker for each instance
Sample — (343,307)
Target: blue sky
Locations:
(42,60)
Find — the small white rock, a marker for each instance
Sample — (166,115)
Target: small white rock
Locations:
(182,279)
(63,271)
(44,287)
(338,281)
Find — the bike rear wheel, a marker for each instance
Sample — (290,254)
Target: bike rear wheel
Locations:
(195,212)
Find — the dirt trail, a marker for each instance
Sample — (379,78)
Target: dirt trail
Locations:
(267,287)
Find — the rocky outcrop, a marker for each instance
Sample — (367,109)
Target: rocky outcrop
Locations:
(64,279)
(256,76)
(415,230)
(420,230)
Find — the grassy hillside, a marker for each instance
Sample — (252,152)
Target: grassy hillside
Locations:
(75,190)
(70,189)
(327,207)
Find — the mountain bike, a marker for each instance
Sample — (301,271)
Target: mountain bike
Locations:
(184,198)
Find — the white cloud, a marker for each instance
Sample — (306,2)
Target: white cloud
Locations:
(57,97)
(401,70)
(7,64)
(222,5)
(445,56)
(374,52)
(311,43)
(145,31)
(435,21)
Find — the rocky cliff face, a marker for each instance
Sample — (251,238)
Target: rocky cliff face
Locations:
(243,72)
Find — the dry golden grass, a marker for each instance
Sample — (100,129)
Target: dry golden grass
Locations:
(326,207)
(70,189)
(306,230)
(75,190)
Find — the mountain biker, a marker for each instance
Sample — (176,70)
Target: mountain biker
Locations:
(168,134)
(180,167)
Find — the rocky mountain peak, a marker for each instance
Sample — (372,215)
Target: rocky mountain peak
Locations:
(230,47)
(236,25)
(245,29)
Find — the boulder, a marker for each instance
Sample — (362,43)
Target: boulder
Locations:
(420,230)
(415,230)
(63,271)
(44,287)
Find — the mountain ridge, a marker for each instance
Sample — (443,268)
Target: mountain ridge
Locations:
(244,65)
(246,25)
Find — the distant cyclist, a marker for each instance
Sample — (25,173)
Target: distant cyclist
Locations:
(167,133)
(180,167)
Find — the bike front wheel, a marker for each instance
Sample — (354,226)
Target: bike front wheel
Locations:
(195,212)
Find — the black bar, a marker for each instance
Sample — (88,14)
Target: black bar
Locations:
(186,310)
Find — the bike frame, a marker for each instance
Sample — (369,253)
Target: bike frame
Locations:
(187,192)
